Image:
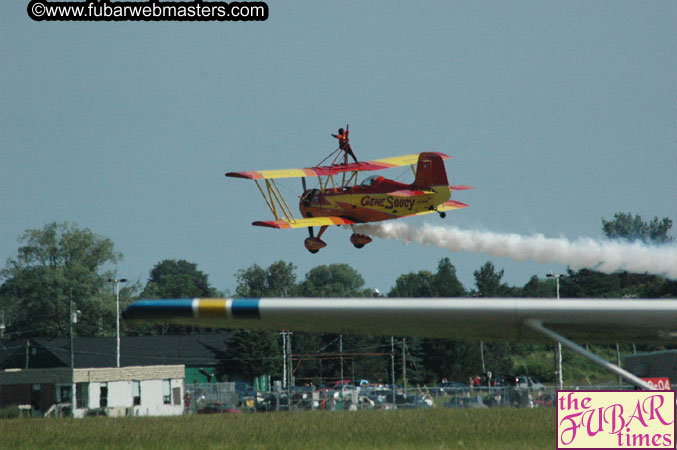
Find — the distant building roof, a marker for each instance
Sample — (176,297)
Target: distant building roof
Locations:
(190,350)
(658,364)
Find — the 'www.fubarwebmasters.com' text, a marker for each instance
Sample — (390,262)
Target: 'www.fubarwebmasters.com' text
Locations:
(152,10)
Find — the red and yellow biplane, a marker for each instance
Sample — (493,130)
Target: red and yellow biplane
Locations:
(340,200)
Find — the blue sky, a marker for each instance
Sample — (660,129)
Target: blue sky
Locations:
(558,113)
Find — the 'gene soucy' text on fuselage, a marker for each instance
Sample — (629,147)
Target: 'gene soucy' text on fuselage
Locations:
(388,202)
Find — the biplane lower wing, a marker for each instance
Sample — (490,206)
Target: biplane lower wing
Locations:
(303,223)
(376,164)
(450,205)
(335,220)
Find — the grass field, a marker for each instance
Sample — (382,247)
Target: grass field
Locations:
(404,429)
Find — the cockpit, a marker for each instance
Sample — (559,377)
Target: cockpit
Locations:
(372,180)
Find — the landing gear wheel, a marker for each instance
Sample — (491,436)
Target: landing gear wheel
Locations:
(313,244)
(359,240)
(441,213)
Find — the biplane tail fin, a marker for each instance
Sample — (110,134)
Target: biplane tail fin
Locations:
(430,171)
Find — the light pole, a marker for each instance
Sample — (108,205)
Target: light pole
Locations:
(341,355)
(392,367)
(117,306)
(559,344)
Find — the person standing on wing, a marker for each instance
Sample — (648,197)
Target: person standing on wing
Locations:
(344,144)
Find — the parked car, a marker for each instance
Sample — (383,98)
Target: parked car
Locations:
(380,396)
(342,383)
(465,402)
(535,384)
(245,389)
(215,408)
(447,387)
(505,380)
(247,393)
(524,382)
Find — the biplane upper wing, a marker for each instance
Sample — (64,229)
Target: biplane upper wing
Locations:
(377,164)
(301,223)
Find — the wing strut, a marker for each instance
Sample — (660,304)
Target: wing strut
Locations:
(274,199)
(538,326)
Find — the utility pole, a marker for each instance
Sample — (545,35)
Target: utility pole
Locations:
(404,365)
(392,367)
(558,356)
(70,317)
(117,317)
(289,368)
(618,361)
(284,359)
(341,354)
(484,369)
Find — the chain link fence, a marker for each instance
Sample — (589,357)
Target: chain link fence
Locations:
(224,397)
(208,398)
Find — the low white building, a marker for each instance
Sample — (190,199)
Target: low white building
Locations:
(124,391)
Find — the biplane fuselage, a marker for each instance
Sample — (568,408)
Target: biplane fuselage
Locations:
(340,200)
(374,200)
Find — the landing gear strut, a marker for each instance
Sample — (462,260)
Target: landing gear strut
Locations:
(441,213)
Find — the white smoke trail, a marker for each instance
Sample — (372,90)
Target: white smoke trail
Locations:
(604,256)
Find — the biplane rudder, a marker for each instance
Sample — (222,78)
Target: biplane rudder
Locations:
(432,175)
(430,171)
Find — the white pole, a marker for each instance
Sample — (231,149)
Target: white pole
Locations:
(558,357)
(392,367)
(618,360)
(484,369)
(559,349)
(70,317)
(117,321)
(290,381)
(404,365)
(117,316)
(341,355)
(284,359)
